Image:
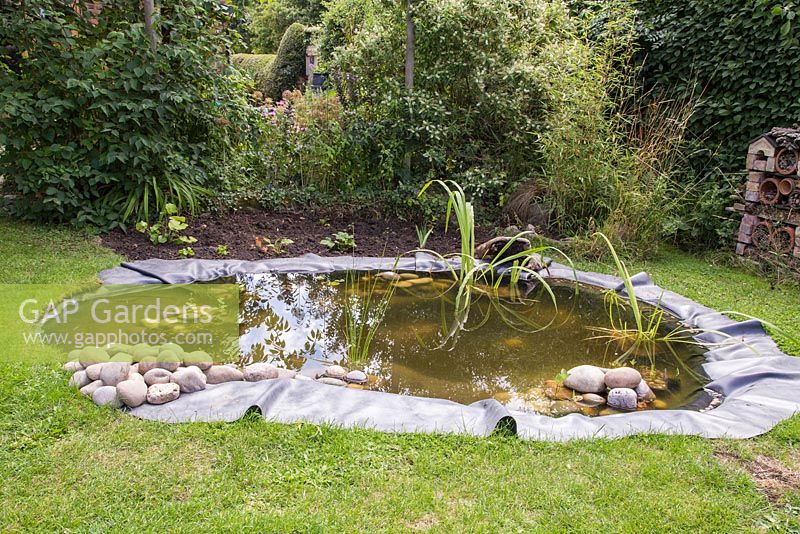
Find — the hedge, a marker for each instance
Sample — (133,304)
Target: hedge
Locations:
(258,66)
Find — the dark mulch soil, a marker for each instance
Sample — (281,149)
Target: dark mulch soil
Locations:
(374,235)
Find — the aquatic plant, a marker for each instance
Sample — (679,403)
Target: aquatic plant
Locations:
(364,310)
(475,276)
(644,336)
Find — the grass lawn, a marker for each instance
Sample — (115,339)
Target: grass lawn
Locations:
(68,465)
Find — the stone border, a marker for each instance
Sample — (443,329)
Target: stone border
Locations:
(758,382)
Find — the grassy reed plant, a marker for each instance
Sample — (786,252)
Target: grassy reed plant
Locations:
(475,276)
(365,308)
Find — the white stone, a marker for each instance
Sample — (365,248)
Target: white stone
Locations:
(199,359)
(90,388)
(157,376)
(79,380)
(113,373)
(335,371)
(331,381)
(622,399)
(586,379)
(218,374)
(190,379)
(260,371)
(72,367)
(93,371)
(161,393)
(623,377)
(132,393)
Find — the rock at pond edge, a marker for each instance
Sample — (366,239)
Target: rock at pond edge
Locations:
(622,399)
(132,393)
(586,379)
(163,393)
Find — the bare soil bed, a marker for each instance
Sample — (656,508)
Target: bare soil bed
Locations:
(374,235)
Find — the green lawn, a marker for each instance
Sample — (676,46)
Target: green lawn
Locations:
(68,465)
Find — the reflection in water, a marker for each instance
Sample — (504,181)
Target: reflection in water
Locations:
(296,321)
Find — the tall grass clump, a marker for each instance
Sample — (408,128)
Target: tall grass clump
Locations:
(645,335)
(613,154)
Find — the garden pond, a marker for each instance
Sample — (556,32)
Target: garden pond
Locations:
(512,348)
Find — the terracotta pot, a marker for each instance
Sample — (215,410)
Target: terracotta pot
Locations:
(769,191)
(786,186)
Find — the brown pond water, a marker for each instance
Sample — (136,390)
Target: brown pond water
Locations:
(297,321)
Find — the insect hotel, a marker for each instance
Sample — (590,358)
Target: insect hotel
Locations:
(771,210)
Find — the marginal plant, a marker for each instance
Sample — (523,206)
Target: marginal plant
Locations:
(365,308)
(477,277)
(644,336)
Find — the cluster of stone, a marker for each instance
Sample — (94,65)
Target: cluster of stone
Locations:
(133,375)
(130,376)
(621,388)
(336,375)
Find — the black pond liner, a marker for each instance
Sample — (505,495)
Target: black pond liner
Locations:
(759,384)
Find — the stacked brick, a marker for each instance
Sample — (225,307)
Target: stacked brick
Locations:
(771,209)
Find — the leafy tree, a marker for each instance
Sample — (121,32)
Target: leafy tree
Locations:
(99,129)
(477,104)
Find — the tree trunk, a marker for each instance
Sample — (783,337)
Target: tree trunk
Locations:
(409,46)
(149,7)
(409,69)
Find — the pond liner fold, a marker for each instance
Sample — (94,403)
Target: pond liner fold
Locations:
(760,384)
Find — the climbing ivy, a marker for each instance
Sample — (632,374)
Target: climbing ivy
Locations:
(741,57)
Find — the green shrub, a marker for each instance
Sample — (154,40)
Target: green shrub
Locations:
(97,129)
(257,66)
(289,65)
(475,113)
(269,20)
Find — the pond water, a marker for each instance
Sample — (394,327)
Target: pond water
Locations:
(508,349)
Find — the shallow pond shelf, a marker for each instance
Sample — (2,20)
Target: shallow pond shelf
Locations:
(757,383)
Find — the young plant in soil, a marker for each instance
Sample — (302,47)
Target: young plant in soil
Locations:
(168,229)
(423,234)
(265,245)
(341,241)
